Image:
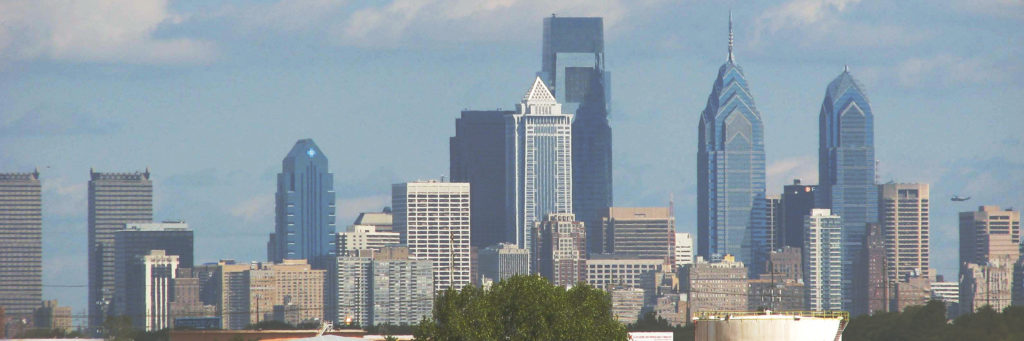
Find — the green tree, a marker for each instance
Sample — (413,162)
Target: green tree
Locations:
(651,322)
(522,308)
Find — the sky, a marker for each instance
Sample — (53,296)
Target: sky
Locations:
(212,95)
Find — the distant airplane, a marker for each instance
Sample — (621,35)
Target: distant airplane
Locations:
(958,198)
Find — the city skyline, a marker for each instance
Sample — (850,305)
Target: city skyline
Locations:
(204,174)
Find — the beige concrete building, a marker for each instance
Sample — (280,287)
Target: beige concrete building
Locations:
(627,303)
(903,216)
(560,249)
(364,237)
(250,292)
(433,219)
(989,233)
(718,286)
(641,232)
(606,271)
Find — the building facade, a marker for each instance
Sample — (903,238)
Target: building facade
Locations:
(627,303)
(304,208)
(114,200)
(560,249)
(150,282)
(642,232)
(822,259)
(785,264)
(365,237)
(477,156)
(876,284)
(796,202)
(403,290)
(538,160)
(989,284)
(773,204)
(903,215)
(988,234)
(607,271)
(136,241)
(720,286)
(51,315)
(21,243)
(433,219)
(731,205)
(846,169)
(502,261)
(353,289)
(683,249)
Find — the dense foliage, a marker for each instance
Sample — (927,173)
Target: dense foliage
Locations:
(522,308)
(651,322)
(929,322)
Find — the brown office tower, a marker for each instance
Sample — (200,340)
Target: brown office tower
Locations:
(560,249)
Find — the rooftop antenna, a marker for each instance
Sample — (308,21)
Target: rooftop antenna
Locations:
(730,36)
(846,68)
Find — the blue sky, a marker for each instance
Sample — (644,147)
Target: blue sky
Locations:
(212,95)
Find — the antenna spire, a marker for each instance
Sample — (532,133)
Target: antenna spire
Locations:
(730,36)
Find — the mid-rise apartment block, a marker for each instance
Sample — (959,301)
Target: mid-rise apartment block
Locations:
(684,249)
(718,286)
(433,219)
(502,261)
(822,260)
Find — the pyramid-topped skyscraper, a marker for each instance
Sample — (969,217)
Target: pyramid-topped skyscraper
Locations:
(846,170)
(539,162)
(731,207)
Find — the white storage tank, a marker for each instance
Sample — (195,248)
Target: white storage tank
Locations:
(768,325)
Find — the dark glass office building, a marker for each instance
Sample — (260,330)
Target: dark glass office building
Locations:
(573,68)
(137,240)
(477,156)
(797,202)
(304,223)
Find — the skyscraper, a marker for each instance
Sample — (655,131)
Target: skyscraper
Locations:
(592,159)
(173,238)
(573,66)
(114,200)
(21,243)
(433,219)
(539,162)
(846,168)
(797,202)
(822,261)
(876,283)
(903,215)
(477,156)
(731,205)
(573,49)
(559,249)
(304,223)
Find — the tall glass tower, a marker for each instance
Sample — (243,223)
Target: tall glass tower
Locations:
(304,225)
(573,66)
(731,206)
(846,168)
(538,151)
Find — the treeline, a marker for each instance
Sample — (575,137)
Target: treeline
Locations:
(522,308)
(928,322)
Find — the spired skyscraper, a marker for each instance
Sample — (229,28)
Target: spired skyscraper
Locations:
(731,205)
(304,224)
(573,66)
(539,162)
(846,169)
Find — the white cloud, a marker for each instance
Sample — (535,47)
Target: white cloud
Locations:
(468,20)
(259,208)
(782,172)
(947,69)
(814,22)
(95,31)
(1013,9)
